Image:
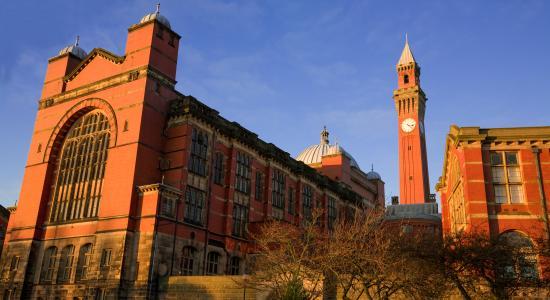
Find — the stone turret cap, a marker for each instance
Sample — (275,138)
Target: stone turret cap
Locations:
(156,16)
(407,55)
(74,49)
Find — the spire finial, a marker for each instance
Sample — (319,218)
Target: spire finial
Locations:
(324,135)
(158,8)
(372,167)
(406,38)
(77,40)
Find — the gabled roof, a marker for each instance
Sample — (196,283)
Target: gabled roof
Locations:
(95,52)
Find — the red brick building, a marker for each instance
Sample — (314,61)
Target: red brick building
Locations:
(497,181)
(128,181)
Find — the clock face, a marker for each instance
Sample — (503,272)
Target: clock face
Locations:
(408,125)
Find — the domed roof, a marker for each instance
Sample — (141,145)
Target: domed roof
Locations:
(314,153)
(156,16)
(74,49)
(372,175)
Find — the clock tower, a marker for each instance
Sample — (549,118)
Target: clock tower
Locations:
(410,105)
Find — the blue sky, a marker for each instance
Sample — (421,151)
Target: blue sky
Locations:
(283,69)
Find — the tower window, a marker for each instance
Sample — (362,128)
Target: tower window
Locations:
(406,79)
(80,169)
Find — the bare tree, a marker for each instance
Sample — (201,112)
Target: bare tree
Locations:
(289,259)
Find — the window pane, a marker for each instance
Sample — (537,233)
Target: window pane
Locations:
(511,158)
(514,175)
(516,193)
(498,174)
(496,158)
(500,193)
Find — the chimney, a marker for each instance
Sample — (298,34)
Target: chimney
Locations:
(395,200)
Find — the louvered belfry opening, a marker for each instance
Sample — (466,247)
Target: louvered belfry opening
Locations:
(80,169)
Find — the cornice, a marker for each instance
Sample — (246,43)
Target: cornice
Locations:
(185,107)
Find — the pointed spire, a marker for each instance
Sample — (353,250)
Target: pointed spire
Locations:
(77,40)
(158,8)
(324,136)
(406,56)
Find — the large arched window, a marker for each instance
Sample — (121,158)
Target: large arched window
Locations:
(80,169)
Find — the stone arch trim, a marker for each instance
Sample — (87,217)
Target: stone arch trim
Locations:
(76,111)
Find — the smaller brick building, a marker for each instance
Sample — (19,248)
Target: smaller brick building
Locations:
(497,180)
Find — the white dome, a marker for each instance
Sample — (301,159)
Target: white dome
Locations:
(75,50)
(156,16)
(314,154)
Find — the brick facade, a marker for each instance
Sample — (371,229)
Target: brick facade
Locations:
(170,187)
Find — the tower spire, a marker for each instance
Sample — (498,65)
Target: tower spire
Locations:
(406,56)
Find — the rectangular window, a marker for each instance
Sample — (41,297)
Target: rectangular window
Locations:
(278,189)
(259,186)
(240,219)
(332,212)
(291,201)
(212,263)
(506,177)
(218,168)
(307,202)
(194,204)
(168,207)
(199,151)
(242,181)
(106,257)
